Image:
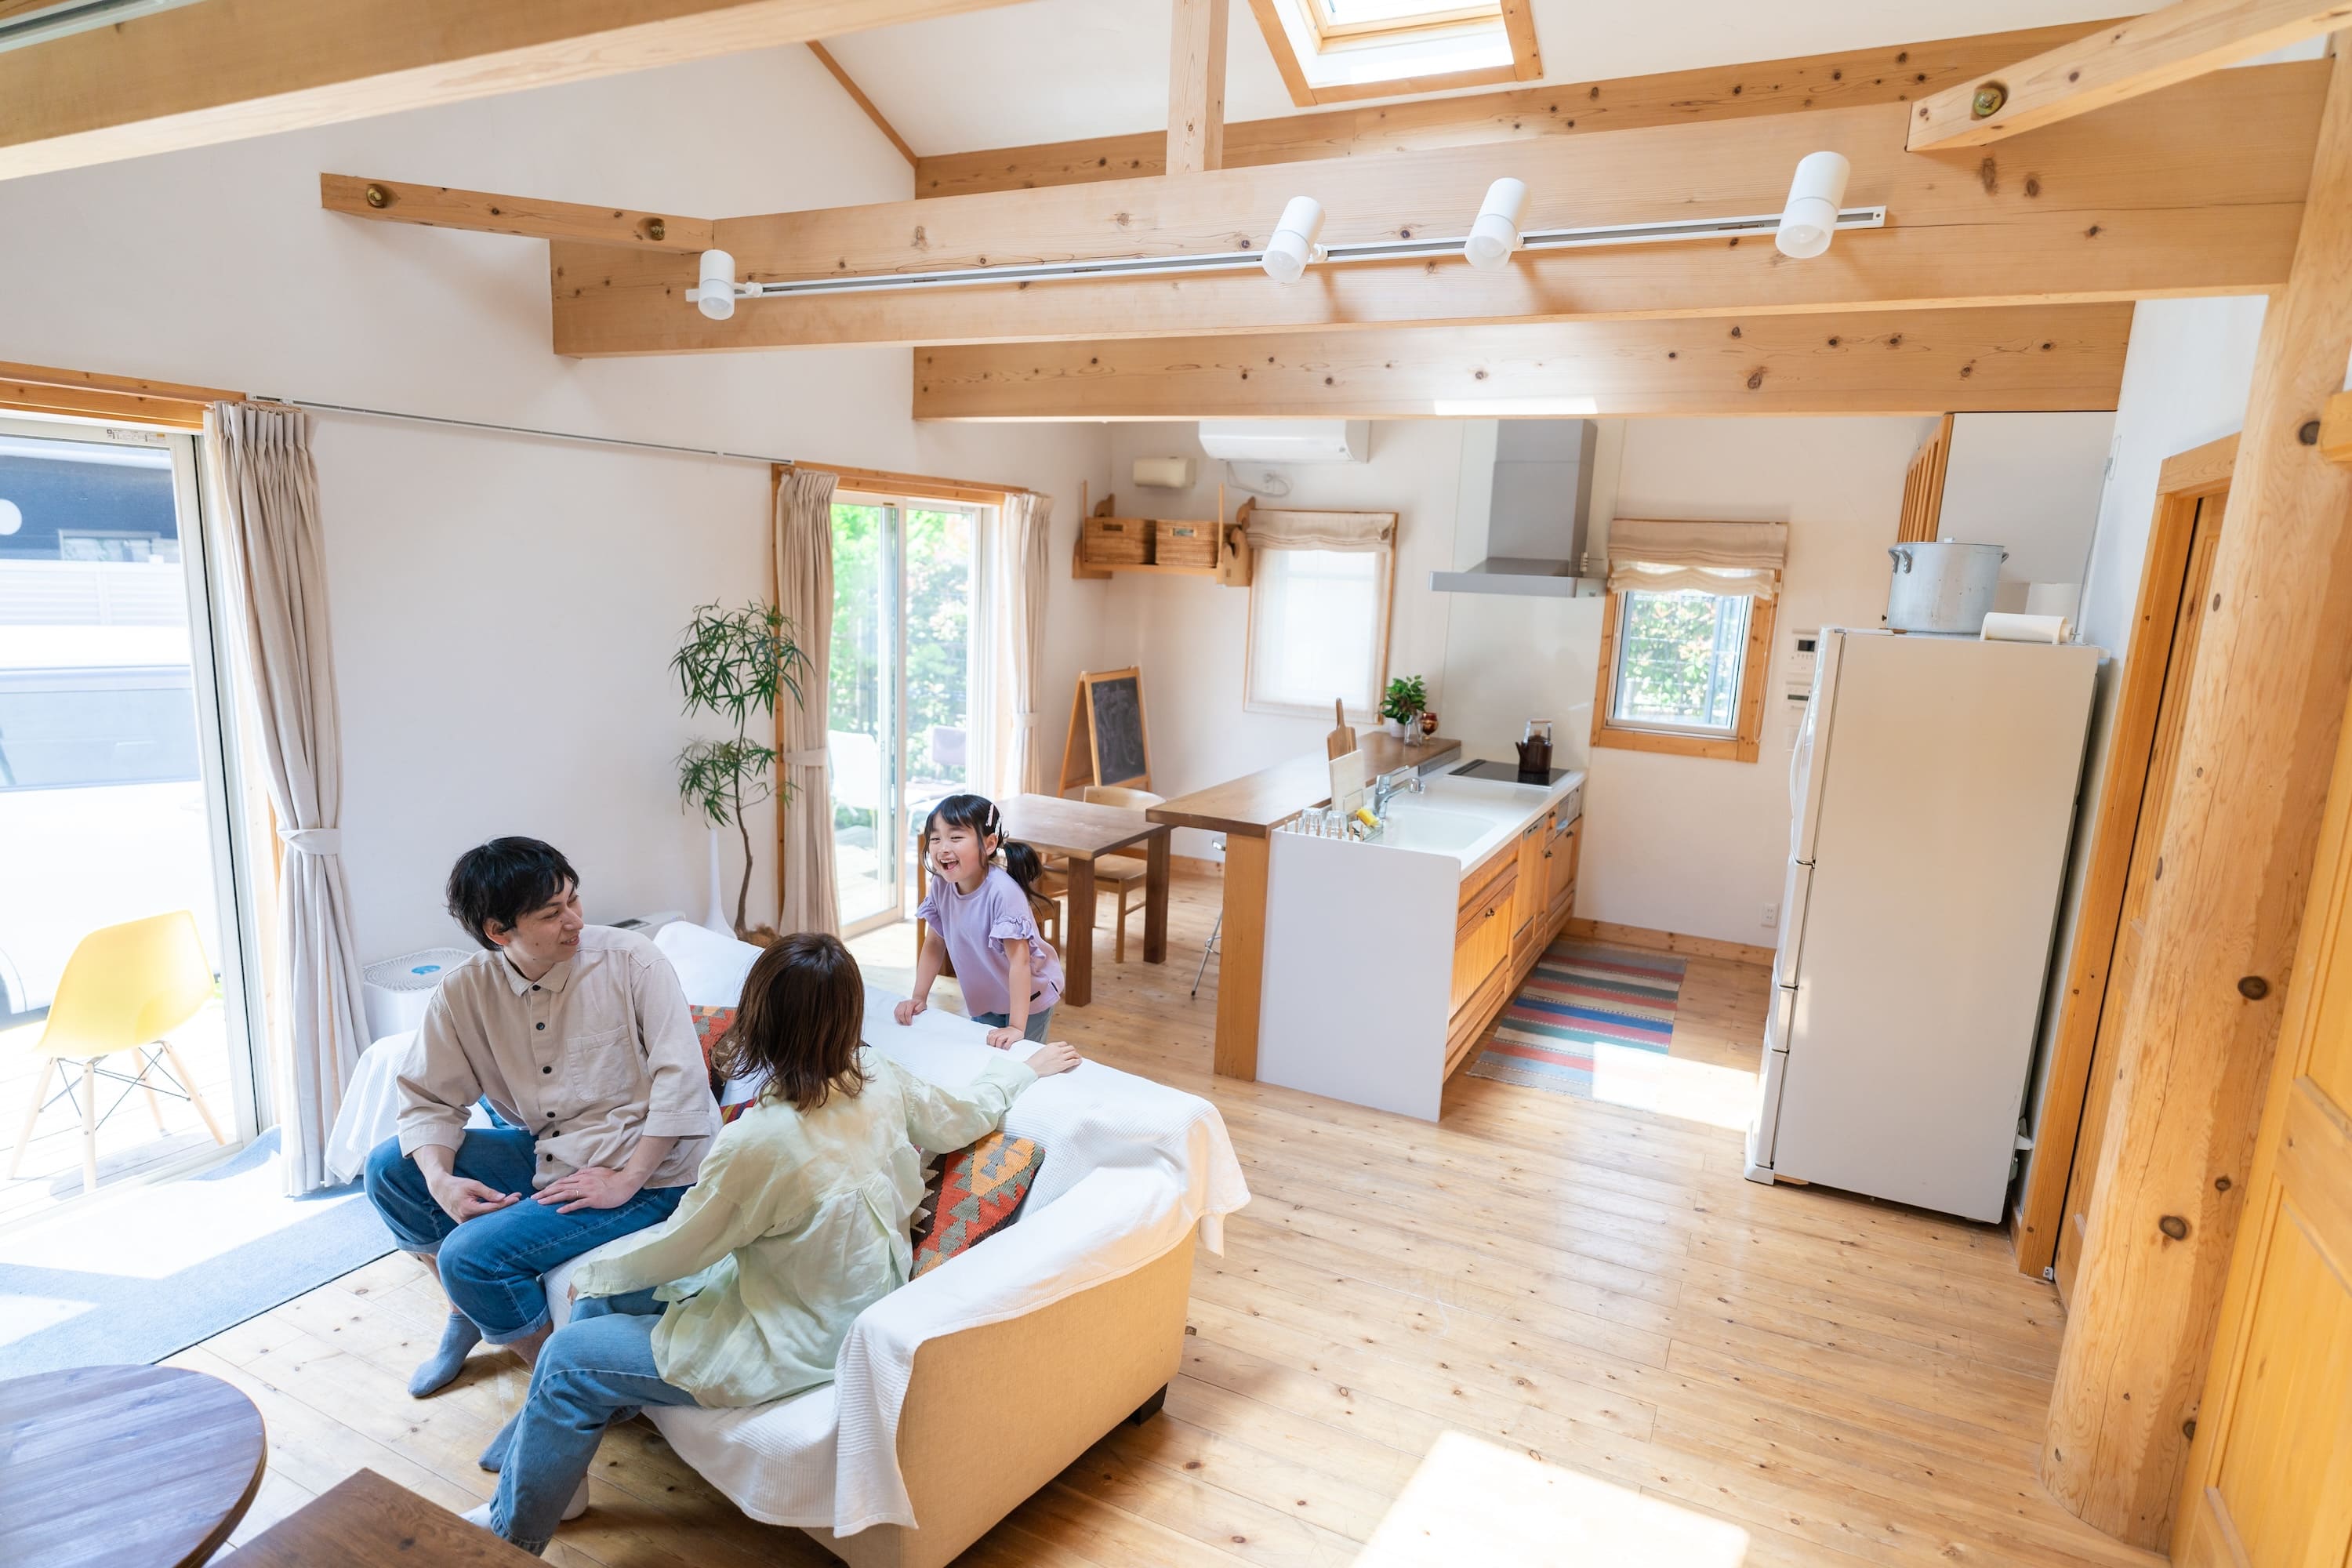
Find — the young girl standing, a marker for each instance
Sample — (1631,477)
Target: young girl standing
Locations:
(979,914)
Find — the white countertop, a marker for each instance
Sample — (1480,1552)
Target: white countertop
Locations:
(1467,818)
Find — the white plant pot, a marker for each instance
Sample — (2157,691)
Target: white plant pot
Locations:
(717,918)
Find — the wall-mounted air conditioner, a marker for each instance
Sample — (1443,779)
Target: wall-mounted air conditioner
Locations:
(1287,440)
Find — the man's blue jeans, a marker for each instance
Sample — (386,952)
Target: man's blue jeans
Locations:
(597,1368)
(491,1264)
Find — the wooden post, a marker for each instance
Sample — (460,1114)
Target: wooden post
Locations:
(2267,702)
(1196,87)
(1240,955)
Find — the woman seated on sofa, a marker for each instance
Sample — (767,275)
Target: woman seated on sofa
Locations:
(801,1206)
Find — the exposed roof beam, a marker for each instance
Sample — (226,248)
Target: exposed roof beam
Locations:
(2019,358)
(2199,192)
(1196,87)
(222,71)
(858,96)
(439,206)
(1844,80)
(2121,61)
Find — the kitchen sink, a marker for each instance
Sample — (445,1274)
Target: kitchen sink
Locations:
(1411,825)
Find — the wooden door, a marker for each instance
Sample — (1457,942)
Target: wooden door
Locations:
(2270,1475)
(2146,864)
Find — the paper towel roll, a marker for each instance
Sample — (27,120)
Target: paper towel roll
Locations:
(1164,473)
(1999,627)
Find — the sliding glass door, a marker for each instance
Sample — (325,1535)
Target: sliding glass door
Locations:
(902,716)
(115,829)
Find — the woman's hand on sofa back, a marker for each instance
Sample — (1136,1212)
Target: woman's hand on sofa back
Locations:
(1053,1056)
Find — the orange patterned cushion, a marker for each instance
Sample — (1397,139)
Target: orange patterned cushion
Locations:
(710,1023)
(978,1191)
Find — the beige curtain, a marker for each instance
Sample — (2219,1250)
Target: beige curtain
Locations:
(804,890)
(267,491)
(1024,527)
(1273,529)
(1662,555)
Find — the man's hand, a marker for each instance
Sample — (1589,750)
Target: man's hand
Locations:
(1006,1037)
(590,1187)
(462,1199)
(905,1011)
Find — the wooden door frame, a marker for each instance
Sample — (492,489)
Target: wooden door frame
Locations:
(2186,481)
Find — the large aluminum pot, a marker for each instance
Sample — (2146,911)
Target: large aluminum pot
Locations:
(1942,586)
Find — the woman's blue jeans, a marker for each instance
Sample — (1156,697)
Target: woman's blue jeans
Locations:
(491,1264)
(594,1370)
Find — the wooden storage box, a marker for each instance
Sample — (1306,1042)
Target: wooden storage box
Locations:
(1184,543)
(1115,542)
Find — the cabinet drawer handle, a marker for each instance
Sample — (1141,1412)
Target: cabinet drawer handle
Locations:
(1490,910)
(1547,854)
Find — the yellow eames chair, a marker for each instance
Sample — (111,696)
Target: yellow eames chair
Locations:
(125,988)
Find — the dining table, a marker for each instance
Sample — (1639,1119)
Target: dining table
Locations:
(1082,833)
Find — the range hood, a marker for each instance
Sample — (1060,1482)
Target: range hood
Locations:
(1539,508)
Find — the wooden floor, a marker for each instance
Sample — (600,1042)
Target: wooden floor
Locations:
(1588,1286)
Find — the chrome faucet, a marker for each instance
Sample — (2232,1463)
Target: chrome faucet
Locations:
(1394,782)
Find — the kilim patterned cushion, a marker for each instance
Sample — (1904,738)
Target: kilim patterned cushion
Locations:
(710,1023)
(976,1191)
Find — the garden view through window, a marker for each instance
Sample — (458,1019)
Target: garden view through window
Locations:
(1679,660)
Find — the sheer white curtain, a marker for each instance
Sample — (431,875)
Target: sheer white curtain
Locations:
(805,897)
(268,492)
(1020,581)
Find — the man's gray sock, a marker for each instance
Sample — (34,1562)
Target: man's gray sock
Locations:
(435,1371)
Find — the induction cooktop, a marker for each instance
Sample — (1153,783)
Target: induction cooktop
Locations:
(1508,773)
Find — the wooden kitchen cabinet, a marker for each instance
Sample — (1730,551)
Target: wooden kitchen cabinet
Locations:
(1529,928)
(1559,872)
(1481,927)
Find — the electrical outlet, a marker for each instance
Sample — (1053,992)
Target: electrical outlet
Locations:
(1771,916)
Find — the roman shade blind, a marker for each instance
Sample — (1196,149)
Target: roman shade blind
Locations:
(1662,555)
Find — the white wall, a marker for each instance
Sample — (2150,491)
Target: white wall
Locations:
(1699,845)
(2030,483)
(504,607)
(2187,371)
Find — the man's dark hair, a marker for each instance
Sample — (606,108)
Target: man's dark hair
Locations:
(504,880)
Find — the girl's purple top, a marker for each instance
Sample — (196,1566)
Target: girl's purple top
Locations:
(975,929)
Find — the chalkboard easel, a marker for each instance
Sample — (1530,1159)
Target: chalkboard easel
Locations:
(1107,743)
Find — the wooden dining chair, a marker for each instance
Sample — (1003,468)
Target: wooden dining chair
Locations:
(1123,872)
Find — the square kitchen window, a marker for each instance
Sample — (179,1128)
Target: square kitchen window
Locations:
(1679,660)
(1319,629)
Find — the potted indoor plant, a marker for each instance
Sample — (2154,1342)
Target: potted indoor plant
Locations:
(735,664)
(1402,705)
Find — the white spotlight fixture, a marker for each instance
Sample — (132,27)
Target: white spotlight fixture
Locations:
(1293,245)
(1814,197)
(1496,233)
(716,297)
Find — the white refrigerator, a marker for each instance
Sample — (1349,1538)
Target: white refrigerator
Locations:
(1932,790)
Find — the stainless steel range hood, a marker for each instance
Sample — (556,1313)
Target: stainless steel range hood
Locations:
(1539,508)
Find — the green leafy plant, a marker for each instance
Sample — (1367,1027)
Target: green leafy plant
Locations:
(1405,700)
(736,664)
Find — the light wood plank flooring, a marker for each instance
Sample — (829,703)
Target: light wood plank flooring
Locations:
(1590,1285)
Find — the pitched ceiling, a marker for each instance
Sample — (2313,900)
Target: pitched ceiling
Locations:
(1053,71)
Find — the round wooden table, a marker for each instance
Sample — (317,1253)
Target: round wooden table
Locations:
(123,1466)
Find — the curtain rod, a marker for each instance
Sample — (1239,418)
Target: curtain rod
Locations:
(484,424)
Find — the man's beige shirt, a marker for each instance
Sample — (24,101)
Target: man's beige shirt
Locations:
(593,1055)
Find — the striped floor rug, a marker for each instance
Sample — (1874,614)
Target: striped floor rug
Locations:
(1584,1008)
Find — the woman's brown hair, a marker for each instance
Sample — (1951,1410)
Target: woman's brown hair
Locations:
(801,1022)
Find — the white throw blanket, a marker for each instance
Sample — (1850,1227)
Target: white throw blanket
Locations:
(1130,1166)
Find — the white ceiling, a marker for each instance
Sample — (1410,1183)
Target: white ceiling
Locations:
(1054,70)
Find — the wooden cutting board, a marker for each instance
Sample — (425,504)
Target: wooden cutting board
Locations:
(1341,740)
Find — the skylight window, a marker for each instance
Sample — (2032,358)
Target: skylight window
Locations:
(1330,51)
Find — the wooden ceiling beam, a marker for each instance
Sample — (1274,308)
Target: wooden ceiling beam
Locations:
(440,206)
(1196,87)
(2195,191)
(2034,358)
(858,96)
(1844,80)
(2119,61)
(199,75)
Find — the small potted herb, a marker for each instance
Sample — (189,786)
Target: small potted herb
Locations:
(1402,706)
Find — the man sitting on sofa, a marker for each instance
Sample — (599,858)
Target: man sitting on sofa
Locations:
(579,1038)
